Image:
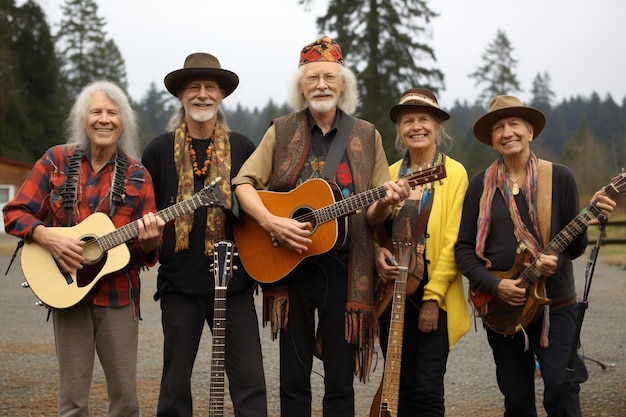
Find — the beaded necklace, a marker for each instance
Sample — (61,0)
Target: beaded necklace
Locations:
(207,162)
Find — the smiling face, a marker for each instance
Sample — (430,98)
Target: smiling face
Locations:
(418,130)
(103,124)
(201,99)
(511,136)
(322,85)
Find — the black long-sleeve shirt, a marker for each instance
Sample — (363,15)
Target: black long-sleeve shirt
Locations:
(501,244)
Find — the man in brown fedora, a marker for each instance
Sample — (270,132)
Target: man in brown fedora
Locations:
(198,147)
(321,139)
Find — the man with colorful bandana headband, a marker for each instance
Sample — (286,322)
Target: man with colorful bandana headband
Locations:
(339,283)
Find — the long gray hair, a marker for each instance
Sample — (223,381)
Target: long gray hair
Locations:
(348,100)
(128,142)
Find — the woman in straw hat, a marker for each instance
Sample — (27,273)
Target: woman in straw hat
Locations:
(504,214)
(436,314)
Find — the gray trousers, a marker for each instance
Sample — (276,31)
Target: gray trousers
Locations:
(112,333)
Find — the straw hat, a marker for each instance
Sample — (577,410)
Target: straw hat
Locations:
(418,97)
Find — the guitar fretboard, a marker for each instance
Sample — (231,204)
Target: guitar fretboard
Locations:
(216,386)
(565,237)
(131,230)
(393,360)
(349,205)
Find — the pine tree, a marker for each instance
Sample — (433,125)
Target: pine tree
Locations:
(385,42)
(542,93)
(31,103)
(87,54)
(497,72)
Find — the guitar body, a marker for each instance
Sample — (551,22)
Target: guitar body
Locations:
(104,252)
(268,263)
(376,410)
(62,291)
(315,201)
(504,318)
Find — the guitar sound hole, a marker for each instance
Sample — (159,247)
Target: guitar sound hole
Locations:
(303,214)
(91,250)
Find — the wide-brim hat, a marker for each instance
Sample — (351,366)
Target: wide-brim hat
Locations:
(418,97)
(507,106)
(201,65)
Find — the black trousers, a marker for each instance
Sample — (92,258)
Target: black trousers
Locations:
(183,318)
(317,285)
(424,359)
(515,369)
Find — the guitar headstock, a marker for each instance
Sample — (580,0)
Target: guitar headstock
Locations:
(211,195)
(223,253)
(618,184)
(426,175)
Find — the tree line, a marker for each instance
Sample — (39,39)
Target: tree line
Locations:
(385,43)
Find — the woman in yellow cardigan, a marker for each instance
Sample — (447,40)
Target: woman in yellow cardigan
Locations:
(427,223)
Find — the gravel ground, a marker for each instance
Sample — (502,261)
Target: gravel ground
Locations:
(28,369)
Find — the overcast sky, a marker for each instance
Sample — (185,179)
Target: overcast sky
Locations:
(580,44)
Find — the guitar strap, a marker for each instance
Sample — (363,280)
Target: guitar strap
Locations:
(337,147)
(71,184)
(544,199)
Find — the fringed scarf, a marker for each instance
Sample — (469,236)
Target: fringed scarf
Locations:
(495,178)
(219,167)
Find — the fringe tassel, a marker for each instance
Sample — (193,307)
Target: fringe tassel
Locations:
(361,333)
(526,340)
(275,311)
(545,329)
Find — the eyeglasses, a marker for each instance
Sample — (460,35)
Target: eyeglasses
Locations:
(329,78)
(195,88)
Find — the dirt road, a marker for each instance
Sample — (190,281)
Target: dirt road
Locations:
(28,369)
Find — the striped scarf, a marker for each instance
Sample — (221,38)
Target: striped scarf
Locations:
(495,178)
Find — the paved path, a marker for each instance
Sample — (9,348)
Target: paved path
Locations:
(28,365)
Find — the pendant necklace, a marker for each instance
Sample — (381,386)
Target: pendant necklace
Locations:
(515,189)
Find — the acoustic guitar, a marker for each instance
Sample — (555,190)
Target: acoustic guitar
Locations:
(314,201)
(386,399)
(506,319)
(223,254)
(104,252)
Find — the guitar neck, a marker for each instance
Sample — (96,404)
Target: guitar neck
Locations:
(216,386)
(393,360)
(349,205)
(131,230)
(565,237)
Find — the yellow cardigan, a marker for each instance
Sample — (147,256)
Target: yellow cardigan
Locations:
(445,282)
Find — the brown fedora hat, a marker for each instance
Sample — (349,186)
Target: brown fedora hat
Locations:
(507,106)
(201,65)
(418,97)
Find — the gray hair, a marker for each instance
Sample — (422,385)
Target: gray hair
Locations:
(348,100)
(178,117)
(128,142)
(443,138)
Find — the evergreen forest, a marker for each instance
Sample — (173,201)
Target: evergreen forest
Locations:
(40,71)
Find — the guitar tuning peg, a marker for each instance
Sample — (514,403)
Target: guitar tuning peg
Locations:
(40,303)
(25,285)
(236,254)
(235,267)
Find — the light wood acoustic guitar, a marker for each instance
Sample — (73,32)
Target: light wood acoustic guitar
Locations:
(504,318)
(386,399)
(223,265)
(315,201)
(104,252)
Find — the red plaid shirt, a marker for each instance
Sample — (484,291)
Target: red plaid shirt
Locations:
(39,201)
